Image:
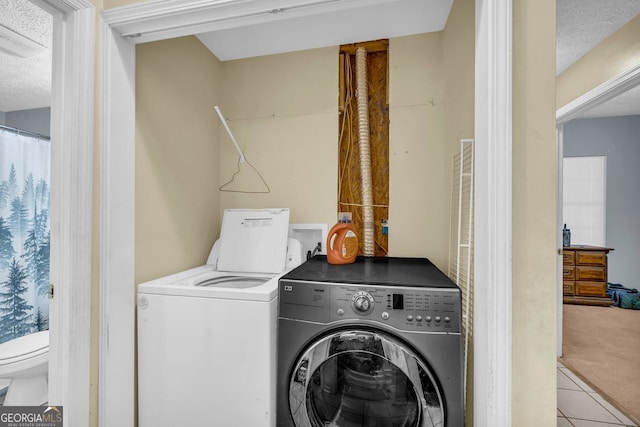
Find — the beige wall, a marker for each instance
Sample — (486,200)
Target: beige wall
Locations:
(419,161)
(177,140)
(109,4)
(283,111)
(459,78)
(616,54)
(459,52)
(534,214)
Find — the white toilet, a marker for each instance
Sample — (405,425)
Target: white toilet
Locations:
(25,361)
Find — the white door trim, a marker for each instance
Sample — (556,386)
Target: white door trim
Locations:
(71,205)
(601,93)
(145,22)
(117,233)
(152,21)
(559,237)
(493,215)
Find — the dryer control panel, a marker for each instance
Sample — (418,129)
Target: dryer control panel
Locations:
(403,308)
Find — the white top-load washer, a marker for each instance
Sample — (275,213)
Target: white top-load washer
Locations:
(207,336)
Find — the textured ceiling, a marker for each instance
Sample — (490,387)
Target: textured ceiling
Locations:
(583,24)
(25,83)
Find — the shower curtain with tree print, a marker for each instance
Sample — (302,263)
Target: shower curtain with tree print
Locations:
(24,234)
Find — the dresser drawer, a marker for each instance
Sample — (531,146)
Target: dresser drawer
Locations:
(584,272)
(568,287)
(591,289)
(568,272)
(591,258)
(568,257)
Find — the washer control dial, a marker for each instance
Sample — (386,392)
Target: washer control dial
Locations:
(362,302)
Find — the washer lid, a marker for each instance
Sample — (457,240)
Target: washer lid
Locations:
(254,240)
(24,347)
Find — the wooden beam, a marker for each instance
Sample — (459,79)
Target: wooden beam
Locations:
(341,83)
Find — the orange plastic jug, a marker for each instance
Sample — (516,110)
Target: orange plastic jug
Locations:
(342,244)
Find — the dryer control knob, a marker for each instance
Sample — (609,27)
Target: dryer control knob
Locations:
(362,302)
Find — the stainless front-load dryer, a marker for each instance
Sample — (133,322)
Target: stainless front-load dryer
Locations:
(374,343)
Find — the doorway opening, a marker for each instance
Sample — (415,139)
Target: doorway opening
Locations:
(568,146)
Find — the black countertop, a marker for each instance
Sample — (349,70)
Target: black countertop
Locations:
(388,271)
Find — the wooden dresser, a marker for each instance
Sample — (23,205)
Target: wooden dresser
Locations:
(584,275)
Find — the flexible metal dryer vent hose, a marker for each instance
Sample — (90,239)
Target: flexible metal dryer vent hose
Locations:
(362,97)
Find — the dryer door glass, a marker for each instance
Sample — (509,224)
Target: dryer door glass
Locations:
(360,379)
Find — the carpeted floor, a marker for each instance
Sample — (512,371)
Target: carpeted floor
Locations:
(602,345)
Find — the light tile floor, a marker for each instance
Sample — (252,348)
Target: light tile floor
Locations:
(580,406)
